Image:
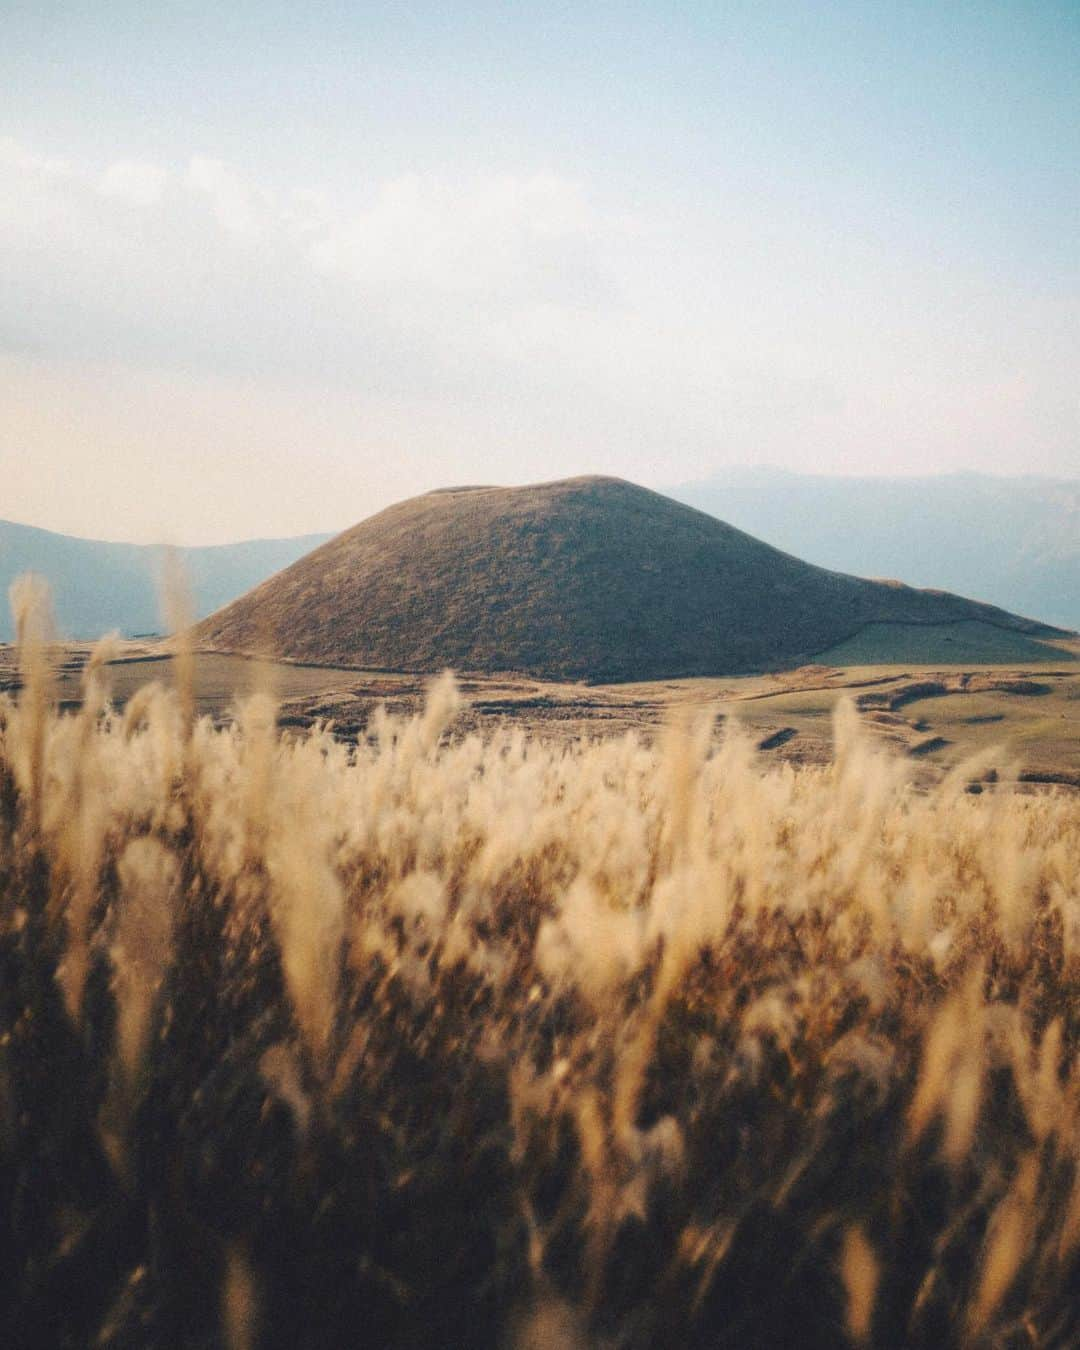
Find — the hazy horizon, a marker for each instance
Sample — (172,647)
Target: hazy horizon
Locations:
(266,270)
(731,472)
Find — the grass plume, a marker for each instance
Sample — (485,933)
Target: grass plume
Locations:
(488,1041)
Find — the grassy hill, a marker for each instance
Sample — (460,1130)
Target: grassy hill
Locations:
(588,578)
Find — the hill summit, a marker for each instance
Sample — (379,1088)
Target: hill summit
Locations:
(588,578)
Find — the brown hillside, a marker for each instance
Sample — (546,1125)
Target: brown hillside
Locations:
(589,578)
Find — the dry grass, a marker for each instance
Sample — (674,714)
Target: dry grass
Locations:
(473,1040)
(1030,715)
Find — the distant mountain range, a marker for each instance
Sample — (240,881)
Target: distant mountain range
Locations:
(1013,542)
(98,586)
(588,578)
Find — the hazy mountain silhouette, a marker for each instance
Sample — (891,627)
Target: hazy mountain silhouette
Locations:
(590,578)
(100,586)
(1013,542)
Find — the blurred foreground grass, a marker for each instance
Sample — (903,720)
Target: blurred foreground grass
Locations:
(478,1041)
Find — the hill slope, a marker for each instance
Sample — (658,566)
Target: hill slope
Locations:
(590,578)
(100,586)
(1011,541)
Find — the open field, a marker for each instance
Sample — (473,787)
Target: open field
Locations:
(533,1041)
(923,644)
(1027,714)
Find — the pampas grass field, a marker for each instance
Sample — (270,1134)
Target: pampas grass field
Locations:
(443,1040)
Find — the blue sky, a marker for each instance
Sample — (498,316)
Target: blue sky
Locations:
(267,268)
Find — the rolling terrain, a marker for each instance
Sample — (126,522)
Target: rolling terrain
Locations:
(588,578)
(1024,720)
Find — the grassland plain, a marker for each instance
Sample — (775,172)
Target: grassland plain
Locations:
(1027,714)
(433,1039)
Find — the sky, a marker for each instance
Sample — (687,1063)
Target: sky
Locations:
(267,268)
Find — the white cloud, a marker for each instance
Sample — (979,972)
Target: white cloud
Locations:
(233,203)
(421,281)
(139,184)
(509,239)
(491,313)
(506,243)
(16,158)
